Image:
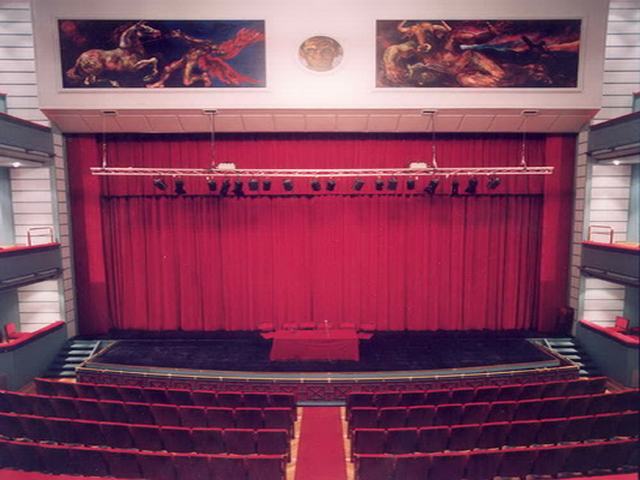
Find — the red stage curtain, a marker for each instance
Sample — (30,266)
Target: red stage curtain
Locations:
(199,262)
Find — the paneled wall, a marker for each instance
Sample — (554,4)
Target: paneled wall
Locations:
(603,191)
(38,194)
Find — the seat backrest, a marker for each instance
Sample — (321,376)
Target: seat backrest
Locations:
(11,331)
(375,467)
(517,462)
(483,464)
(368,440)
(401,440)
(239,441)
(433,439)
(208,440)
(447,466)
(265,467)
(157,466)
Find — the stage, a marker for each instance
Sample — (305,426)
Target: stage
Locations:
(388,361)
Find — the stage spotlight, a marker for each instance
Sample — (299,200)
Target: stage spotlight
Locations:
(411,184)
(493,183)
(455,187)
(266,185)
(237,188)
(331,185)
(213,186)
(432,186)
(472,186)
(288,185)
(253,185)
(358,184)
(224,188)
(179,186)
(159,184)
(379,184)
(315,185)
(392,184)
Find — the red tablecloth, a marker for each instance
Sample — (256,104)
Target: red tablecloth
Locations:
(315,345)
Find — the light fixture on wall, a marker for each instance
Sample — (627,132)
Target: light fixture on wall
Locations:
(238,190)
(315,185)
(266,185)
(224,188)
(178,185)
(211,183)
(379,183)
(254,185)
(432,186)
(493,183)
(160,184)
(331,185)
(288,185)
(472,186)
(392,184)
(411,184)
(455,187)
(358,184)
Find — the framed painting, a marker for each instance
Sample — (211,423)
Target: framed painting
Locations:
(477,53)
(162,53)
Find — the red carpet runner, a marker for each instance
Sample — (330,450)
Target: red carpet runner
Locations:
(321,453)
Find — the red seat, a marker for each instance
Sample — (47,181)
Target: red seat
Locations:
(131,394)
(576,406)
(62,430)
(86,390)
(517,462)
(256,400)
(140,413)
(462,395)
(463,437)
(421,416)
(192,467)
(493,435)
(487,393)
(600,403)
(553,389)
(249,418)
(10,426)
(551,431)
(522,433)
(616,454)
(122,463)
(177,439)
(197,417)
(596,385)
(166,415)
(412,466)
(227,466)
(66,389)
(11,331)
(34,428)
(401,440)
(25,456)
(531,391)
(117,435)
(18,403)
(88,462)
(448,414)
(360,399)
(208,440)
(282,400)
(576,387)
(114,411)
(578,429)
(157,466)
(204,398)
(155,395)
(363,417)
(386,399)
(509,393)
(217,417)
(483,465)
(628,424)
(374,467)
(527,410)
(44,386)
(179,396)
(604,426)
(447,466)
(272,442)
(368,440)
(475,413)
(240,441)
(89,409)
(42,406)
(278,417)
(581,458)
(392,417)
(626,400)
(433,439)
(549,460)
(64,407)
(146,437)
(55,459)
(501,412)
(437,397)
(552,408)
(229,399)
(89,432)
(108,392)
(415,397)
(265,467)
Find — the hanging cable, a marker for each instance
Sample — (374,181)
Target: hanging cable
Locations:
(212,135)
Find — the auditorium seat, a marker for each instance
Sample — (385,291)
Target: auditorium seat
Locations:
(192,467)
(17,402)
(217,417)
(411,397)
(401,440)
(581,458)
(576,406)
(208,440)
(179,396)
(437,397)
(272,442)
(279,418)
(108,392)
(10,425)
(486,394)
(475,413)
(89,433)
(463,437)
(264,467)
(197,417)
(226,466)
(34,428)
(88,410)
(147,437)
(42,406)
(604,426)
(229,399)
(433,439)
(25,456)
(578,429)
(392,417)
(155,395)
(239,440)
(249,418)
(447,466)
(131,394)
(421,416)
(527,410)
(117,435)
(483,465)
(375,467)
(549,460)
(204,398)
(363,417)
(88,462)
(386,399)
(509,393)
(114,411)
(139,413)
(501,411)
(156,466)
(122,463)
(552,408)
(177,439)
(168,415)
(493,435)
(517,462)
(553,389)
(551,431)
(64,407)
(55,459)
(462,395)
(531,390)
(367,440)
(360,399)
(448,414)
(256,400)
(629,424)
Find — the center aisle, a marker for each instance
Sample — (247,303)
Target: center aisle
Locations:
(321,454)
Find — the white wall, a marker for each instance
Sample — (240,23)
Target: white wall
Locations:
(38,194)
(603,191)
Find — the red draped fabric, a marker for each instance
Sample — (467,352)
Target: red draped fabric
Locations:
(155,261)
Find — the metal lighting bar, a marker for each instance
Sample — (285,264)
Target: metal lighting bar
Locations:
(311,173)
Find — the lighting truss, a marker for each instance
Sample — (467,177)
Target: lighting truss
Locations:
(312,173)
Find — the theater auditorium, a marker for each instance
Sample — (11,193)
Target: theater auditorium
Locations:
(338,240)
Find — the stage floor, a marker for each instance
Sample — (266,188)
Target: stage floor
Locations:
(384,352)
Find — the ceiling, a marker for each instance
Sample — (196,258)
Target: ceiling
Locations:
(314,120)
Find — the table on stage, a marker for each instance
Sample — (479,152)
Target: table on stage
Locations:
(320,344)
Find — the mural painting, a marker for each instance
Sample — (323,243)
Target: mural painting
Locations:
(162,53)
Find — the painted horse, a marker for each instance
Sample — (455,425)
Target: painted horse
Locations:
(130,55)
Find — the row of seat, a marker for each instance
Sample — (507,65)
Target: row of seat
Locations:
(512,462)
(500,411)
(203,398)
(486,393)
(145,437)
(145,413)
(122,463)
(495,435)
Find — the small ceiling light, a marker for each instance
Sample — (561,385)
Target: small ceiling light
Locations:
(224,189)
(331,185)
(411,184)
(158,183)
(455,187)
(266,185)
(179,186)
(472,186)
(358,184)
(237,188)
(379,184)
(213,186)
(493,183)
(615,162)
(16,164)
(254,185)
(288,185)
(315,185)
(432,186)
(392,184)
